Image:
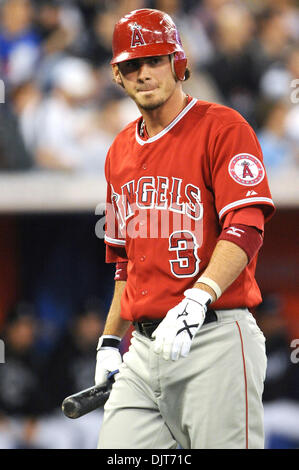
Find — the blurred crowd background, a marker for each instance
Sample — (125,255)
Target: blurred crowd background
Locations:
(60,112)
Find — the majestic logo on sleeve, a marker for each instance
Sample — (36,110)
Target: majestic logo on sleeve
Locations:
(137,38)
(246,169)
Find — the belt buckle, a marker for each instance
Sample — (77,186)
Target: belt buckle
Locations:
(210,316)
(145,327)
(139,326)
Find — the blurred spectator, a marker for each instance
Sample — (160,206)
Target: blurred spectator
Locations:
(97,44)
(233,65)
(22,387)
(270,48)
(58,24)
(272,323)
(98,47)
(70,369)
(19,43)
(116,113)
(72,364)
(206,12)
(281,394)
(278,150)
(124,6)
(14,155)
(87,9)
(273,37)
(239,53)
(62,262)
(32,390)
(47,18)
(288,10)
(200,84)
(25,100)
(278,78)
(197,44)
(292,129)
(68,135)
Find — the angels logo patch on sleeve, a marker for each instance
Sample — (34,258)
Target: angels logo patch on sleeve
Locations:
(246,169)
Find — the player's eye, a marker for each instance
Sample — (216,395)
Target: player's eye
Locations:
(129,66)
(154,60)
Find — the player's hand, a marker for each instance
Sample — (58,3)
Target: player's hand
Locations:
(174,335)
(108,358)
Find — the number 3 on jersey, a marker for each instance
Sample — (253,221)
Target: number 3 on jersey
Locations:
(186,263)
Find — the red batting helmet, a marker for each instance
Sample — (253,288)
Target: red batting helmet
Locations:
(145,33)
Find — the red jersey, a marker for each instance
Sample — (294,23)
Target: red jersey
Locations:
(170,194)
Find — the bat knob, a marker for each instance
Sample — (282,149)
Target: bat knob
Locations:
(87,400)
(71,408)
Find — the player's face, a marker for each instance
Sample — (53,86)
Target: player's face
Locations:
(148,81)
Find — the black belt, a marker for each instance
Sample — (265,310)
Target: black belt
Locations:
(146,328)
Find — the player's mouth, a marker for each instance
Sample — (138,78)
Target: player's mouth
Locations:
(146,90)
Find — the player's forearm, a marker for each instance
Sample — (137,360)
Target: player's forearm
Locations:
(115,325)
(226,264)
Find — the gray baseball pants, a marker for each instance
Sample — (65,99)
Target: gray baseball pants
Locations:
(211,399)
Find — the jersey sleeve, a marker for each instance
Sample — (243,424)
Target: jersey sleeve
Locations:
(237,170)
(251,216)
(115,254)
(114,239)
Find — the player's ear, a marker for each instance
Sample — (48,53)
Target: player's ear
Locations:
(116,75)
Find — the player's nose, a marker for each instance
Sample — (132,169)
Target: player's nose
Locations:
(144,71)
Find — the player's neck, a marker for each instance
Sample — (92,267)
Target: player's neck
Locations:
(157,119)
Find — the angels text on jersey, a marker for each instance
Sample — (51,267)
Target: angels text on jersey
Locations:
(155,207)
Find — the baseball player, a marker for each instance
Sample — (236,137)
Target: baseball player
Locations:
(187,200)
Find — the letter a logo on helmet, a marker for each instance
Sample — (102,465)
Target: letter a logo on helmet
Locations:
(137,38)
(155,31)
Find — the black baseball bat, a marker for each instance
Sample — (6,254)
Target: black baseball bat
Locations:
(88,400)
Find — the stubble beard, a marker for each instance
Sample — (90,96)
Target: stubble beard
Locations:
(150,106)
